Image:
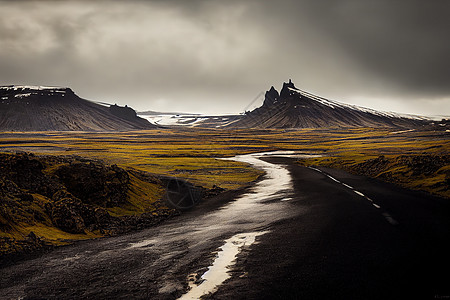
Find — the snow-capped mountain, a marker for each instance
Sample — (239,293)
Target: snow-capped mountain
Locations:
(294,108)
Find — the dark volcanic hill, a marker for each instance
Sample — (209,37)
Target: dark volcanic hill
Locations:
(36,108)
(294,108)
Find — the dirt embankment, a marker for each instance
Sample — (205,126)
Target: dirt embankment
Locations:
(426,172)
(53,200)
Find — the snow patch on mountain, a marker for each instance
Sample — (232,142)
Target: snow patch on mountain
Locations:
(333,104)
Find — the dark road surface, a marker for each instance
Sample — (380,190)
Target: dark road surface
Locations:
(322,234)
(344,247)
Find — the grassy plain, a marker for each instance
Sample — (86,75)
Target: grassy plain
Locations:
(192,153)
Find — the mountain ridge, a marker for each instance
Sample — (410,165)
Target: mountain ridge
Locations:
(294,108)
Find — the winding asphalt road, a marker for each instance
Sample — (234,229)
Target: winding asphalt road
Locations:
(325,235)
(345,247)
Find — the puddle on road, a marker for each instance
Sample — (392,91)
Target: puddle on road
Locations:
(276,181)
(72,258)
(218,272)
(141,244)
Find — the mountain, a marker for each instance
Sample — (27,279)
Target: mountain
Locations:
(294,108)
(38,108)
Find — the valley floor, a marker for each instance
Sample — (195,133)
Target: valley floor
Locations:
(415,159)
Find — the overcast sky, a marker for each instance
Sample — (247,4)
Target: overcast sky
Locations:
(217,56)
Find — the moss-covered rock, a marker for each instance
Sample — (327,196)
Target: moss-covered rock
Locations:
(95,183)
(49,200)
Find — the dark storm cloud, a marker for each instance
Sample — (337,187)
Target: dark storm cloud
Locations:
(407,41)
(218,55)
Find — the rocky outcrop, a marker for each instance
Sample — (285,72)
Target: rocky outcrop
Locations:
(71,194)
(95,183)
(271,97)
(26,172)
(66,212)
(417,165)
(75,191)
(123,112)
(286,91)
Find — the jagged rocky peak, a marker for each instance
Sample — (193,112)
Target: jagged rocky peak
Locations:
(271,96)
(285,91)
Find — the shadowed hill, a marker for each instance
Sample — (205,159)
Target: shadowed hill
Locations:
(29,108)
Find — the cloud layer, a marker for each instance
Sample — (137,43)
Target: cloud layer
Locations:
(216,56)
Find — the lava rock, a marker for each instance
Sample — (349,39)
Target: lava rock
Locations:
(95,183)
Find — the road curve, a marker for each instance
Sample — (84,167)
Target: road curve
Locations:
(324,234)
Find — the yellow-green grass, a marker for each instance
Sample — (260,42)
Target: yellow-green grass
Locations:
(141,198)
(192,153)
(26,222)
